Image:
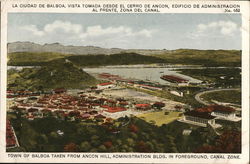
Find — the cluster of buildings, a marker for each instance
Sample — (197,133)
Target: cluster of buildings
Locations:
(208,116)
(81,106)
(146,85)
(21,93)
(115,79)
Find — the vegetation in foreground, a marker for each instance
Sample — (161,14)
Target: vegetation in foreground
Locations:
(58,74)
(123,135)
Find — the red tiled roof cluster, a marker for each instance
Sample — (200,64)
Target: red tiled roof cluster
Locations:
(21,93)
(218,108)
(115,109)
(142,105)
(10,137)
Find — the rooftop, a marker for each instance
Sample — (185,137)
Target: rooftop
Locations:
(217,108)
(194,113)
(103,84)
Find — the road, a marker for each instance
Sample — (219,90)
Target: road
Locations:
(197,96)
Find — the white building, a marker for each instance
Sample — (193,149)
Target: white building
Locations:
(105,85)
(180,94)
(225,113)
(198,118)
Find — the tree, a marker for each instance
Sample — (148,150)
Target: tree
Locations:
(170,144)
(71,147)
(95,140)
(102,148)
(42,139)
(228,142)
(53,135)
(158,105)
(108,144)
(28,137)
(85,146)
(133,128)
(142,147)
(130,142)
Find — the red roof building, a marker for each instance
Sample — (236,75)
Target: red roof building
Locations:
(115,109)
(199,118)
(174,79)
(217,108)
(143,106)
(10,136)
(104,84)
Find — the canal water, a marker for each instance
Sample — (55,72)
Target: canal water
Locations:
(141,73)
(138,72)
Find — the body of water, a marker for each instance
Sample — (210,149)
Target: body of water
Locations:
(141,73)
(151,72)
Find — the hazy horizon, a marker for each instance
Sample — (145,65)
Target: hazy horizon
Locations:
(115,47)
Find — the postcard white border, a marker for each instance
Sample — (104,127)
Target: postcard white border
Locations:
(6,7)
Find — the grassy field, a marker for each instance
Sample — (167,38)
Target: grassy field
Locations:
(232,96)
(159,118)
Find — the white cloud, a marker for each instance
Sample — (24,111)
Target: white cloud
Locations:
(33,29)
(97,31)
(223,27)
(66,26)
(66,32)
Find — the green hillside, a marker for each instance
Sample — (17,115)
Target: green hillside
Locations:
(32,58)
(36,59)
(180,56)
(115,59)
(203,57)
(56,75)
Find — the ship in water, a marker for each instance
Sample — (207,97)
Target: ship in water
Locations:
(174,79)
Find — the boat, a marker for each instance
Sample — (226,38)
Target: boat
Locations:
(174,79)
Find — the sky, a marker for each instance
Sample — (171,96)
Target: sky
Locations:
(128,31)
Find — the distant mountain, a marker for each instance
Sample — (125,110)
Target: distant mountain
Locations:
(28,54)
(77,50)
(58,74)
(45,58)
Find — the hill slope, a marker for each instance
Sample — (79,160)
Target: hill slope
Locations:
(33,59)
(56,75)
(27,53)
(44,58)
(115,59)
(203,57)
